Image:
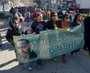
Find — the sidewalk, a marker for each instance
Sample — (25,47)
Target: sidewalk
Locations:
(3,23)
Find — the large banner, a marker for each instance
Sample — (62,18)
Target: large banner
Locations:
(48,44)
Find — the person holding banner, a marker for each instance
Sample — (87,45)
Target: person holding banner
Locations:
(77,21)
(54,24)
(12,32)
(37,26)
(65,23)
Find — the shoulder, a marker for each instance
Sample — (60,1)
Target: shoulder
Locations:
(58,22)
(10,29)
(49,22)
(43,22)
(75,23)
(34,23)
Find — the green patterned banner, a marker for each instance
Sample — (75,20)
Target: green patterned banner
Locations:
(48,44)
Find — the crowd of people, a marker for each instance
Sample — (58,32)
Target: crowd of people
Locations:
(41,20)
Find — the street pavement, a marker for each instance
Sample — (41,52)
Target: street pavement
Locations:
(3,23)
(8,63)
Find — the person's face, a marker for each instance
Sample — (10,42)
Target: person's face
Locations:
(16,15)
(14,25)
(39,18)
(22,46)
(55,18)
(66,19)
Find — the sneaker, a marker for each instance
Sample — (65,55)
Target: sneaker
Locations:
(30,68)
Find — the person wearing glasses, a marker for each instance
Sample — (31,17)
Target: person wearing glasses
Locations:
(65,21)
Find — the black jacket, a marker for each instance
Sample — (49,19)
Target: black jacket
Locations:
(50,24)
(74,24)
(38,26)
(10,33)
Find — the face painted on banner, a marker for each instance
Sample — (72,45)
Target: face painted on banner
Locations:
(22,47)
